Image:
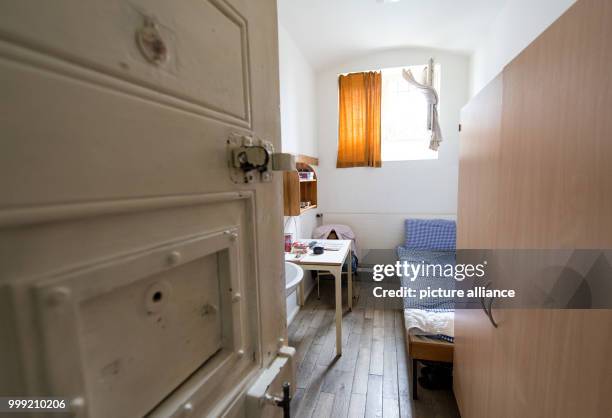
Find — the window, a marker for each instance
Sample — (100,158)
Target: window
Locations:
(404,115)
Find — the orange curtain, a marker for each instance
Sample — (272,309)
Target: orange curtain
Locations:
(359,120)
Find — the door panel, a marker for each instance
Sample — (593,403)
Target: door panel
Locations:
(196,68)
(107,332)
(110,164)
(146,320)
(172,316)
(93,146)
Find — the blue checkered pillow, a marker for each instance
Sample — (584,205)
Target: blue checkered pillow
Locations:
(431,234)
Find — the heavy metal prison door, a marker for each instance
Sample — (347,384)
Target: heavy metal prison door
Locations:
(140,255)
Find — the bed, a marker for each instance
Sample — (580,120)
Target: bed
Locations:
(428,322)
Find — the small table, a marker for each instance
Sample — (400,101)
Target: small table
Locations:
(332,261)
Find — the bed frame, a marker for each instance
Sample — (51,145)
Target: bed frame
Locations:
(420,348)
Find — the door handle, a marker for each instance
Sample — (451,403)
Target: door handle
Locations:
(488,310)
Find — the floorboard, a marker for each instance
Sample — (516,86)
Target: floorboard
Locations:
(374,397)
(324,406)
(357,406)
(371,378)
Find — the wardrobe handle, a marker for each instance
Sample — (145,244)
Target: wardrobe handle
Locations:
(488,311)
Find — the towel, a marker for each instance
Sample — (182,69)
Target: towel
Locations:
(432,100)
(430,323)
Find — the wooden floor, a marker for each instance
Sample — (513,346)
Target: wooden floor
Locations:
(371,377)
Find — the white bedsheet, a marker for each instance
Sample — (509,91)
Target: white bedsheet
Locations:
(433,323)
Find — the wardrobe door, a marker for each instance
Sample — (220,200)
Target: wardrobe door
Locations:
(555,180)
(477,218)
(540,178)
(556,150)
(478,168)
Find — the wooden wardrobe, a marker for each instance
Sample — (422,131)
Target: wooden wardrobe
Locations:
(536,172)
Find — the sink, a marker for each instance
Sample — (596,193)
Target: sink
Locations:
(293,276)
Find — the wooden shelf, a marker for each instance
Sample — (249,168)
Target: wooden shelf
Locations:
(307,160)
(298,190)
(302,210)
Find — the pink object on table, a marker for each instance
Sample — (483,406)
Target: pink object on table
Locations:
(343,232)
(288,242)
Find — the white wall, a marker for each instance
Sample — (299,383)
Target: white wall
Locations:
(372,200)
(298,128)
(517,25)
(297,98)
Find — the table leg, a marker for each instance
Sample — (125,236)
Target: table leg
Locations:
(349,280)
(414,379)
(337,272)
(301,292)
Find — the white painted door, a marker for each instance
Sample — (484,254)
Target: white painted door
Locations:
(136,276)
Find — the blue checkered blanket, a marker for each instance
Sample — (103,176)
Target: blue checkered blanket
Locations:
(434,280)
(430,234)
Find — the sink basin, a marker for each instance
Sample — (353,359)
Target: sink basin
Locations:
(293,276)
